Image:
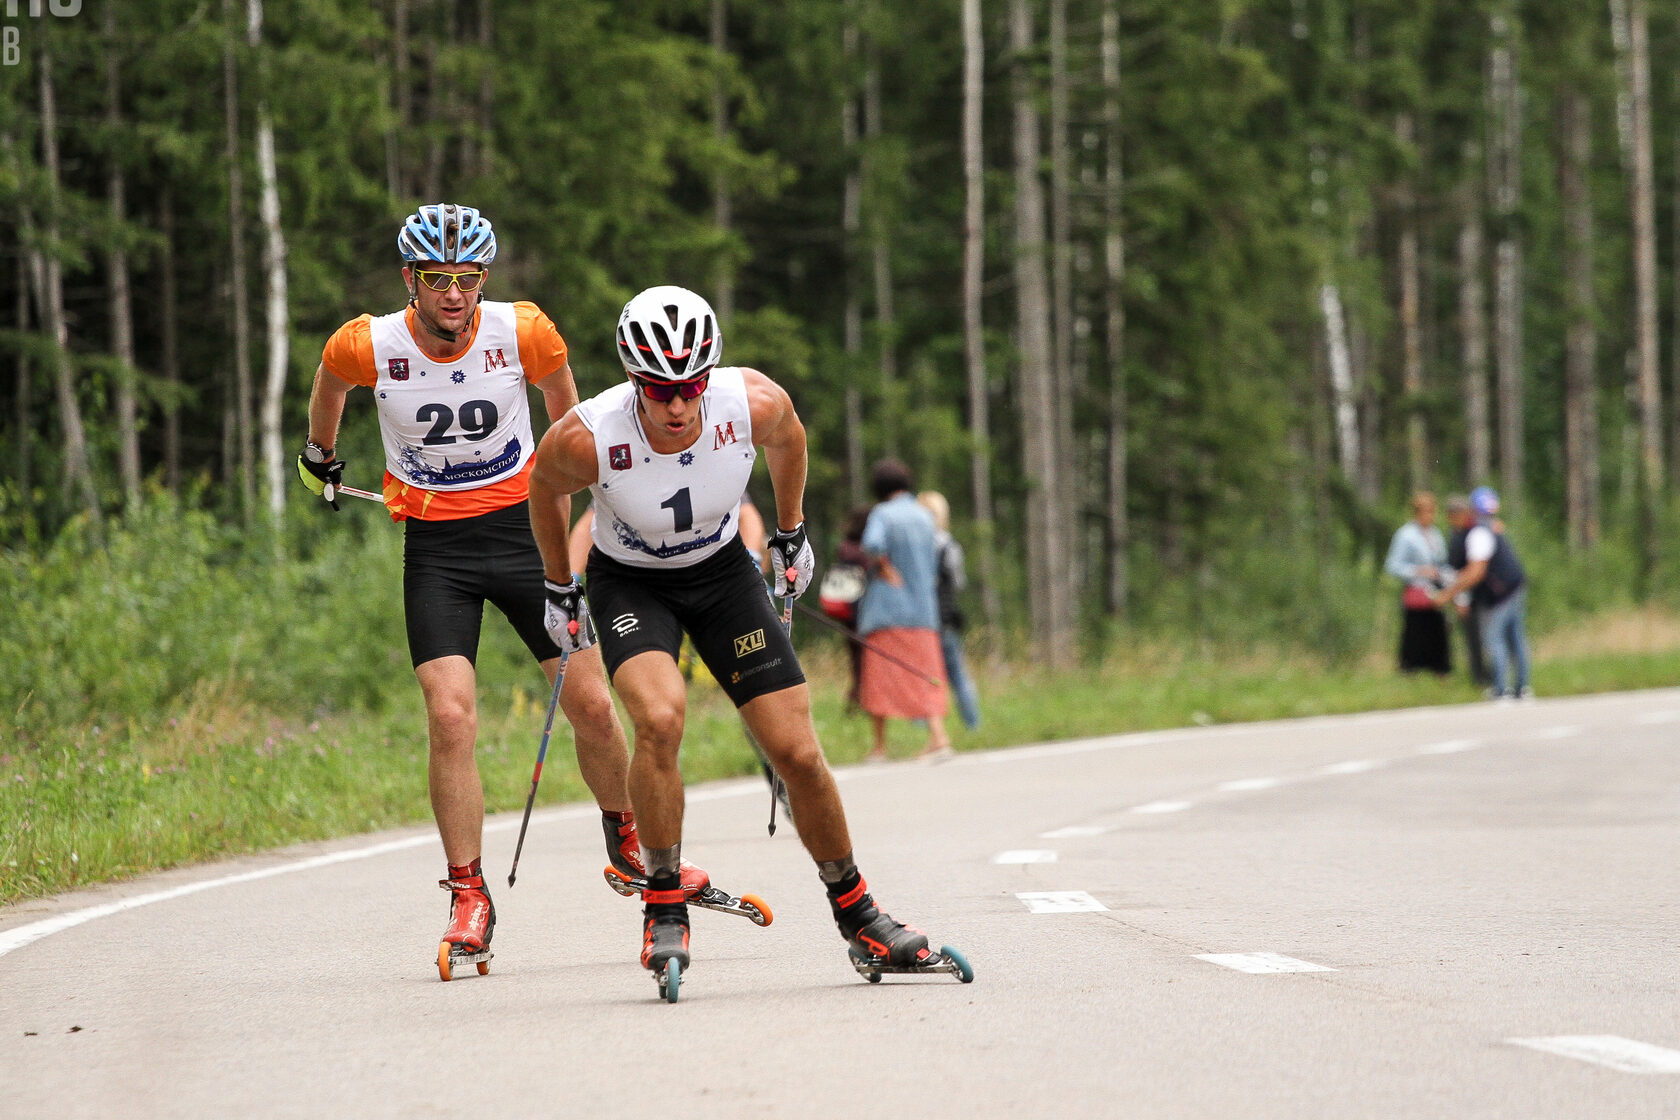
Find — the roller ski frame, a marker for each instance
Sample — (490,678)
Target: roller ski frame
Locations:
(748,906)
(948,959)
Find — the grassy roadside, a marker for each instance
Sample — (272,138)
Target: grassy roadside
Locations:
(220,775)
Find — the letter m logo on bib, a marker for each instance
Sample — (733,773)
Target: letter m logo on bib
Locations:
(493,360)
(725,433)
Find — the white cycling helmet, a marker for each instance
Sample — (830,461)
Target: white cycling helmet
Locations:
(669,334)
(447,234)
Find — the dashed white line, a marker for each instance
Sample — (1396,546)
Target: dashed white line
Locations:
(1073,831)
(1557,733)
(1262,962)
(1665,716)
(1352,766)
(1161,807)
(1059,902)
(1025,855)
(1249,785)
(1450,746)
(1624,1054)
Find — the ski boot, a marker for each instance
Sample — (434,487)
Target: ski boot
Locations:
(665,939)
(626,875)
(472,921)
(879,945)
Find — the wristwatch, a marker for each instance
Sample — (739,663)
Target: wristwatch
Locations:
(315,453)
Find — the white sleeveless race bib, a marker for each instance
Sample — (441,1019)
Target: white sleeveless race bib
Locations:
(453,425)
(654,510)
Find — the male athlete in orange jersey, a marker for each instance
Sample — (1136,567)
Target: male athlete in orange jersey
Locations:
(449,374)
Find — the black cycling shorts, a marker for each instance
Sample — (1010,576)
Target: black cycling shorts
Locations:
(451,567)
(721,603)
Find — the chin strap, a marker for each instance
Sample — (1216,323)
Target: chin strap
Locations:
(447,336)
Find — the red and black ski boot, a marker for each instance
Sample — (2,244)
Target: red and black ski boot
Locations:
(472,922)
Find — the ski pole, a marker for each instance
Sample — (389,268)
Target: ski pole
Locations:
(366,495)
(542,753)
(864,642)
(778,788)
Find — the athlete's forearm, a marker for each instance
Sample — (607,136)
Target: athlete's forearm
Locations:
(787,463)
(326,407)
(551,519)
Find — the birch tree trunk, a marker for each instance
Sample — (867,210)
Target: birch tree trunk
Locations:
(1046,533)
(171,346)
(1411,342)
(974,337)
(117,276)
(47,278)
(24,441)
(880,250)
(1473,338)
(1068,476)
(851,206)
(1114,315)
(1339,354)
(244,469)
(1642,199)
(722,216)
(274,285)
(1580,381)
(1508,251)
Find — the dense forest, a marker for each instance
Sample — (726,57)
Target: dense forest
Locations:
(1176,302)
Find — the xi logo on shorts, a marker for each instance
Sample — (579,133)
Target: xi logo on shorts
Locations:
(748,644)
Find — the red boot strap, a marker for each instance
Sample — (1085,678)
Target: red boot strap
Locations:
(851,897)
(663,897)
(472,883)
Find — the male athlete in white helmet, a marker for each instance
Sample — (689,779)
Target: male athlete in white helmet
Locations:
(667,455)
(448,374)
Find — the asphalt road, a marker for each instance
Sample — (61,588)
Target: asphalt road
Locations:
(1478,908)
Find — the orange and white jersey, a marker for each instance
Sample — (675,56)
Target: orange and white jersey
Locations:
(663,511)
(457,430)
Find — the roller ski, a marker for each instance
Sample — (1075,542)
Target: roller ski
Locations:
(472,921)
(665,940)
(626,876)
(878,945)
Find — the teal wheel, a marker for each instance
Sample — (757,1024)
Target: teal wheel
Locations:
(670,981)
(861,963)
(964,972)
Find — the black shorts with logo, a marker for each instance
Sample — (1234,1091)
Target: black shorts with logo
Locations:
(720,602)
(451,567)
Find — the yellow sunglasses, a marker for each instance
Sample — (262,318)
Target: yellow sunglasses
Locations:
(440,281)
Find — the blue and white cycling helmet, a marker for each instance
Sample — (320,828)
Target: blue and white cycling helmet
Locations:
(1485,501)
(444,233)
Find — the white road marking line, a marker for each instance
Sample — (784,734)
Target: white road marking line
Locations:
(1657,717)
(1162,807)
(1249,785)
(1624,1054)
(1073,831)
(1450,746)
(1025,855)
(1262,962)
(1565,732)
(1352,766)
(19,936)
(1059,902)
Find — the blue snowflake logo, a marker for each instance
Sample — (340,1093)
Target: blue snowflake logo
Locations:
(685,458)
(458,377)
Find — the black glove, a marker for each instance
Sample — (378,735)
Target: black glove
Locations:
(792,561)
(323,477)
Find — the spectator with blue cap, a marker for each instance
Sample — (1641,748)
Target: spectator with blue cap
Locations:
(1496,581)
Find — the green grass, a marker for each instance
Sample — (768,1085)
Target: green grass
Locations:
(221,774)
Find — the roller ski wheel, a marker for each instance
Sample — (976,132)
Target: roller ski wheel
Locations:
(948,959)
(748,906)
(670,980)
